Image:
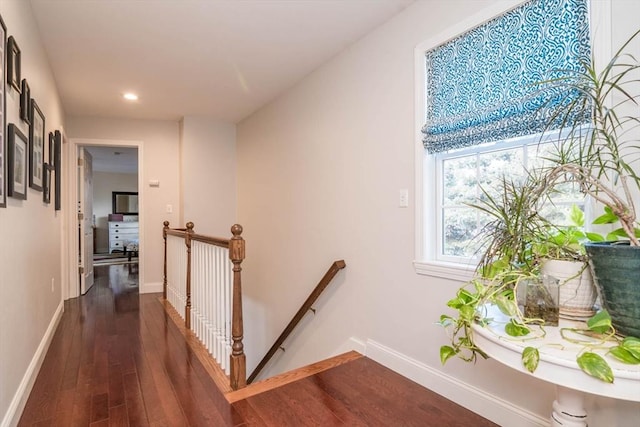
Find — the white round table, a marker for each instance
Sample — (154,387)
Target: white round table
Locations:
(558,366)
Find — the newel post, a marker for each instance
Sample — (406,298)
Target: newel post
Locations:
(187,308)
(238,358)
(164,279)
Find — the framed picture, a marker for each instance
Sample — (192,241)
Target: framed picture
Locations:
(3,115)
(51,144)
(18,150)
(36,147)
(46,183)
(13,64)
(25,99)
(57,163)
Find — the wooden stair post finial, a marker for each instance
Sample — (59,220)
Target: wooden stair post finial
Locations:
(164,279)
(237,359)
(187,308)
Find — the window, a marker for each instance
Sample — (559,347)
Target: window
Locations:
(462,176)
(474,135)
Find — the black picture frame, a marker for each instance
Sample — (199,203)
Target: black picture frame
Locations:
(123,202)
(49,169)
(46,183)
(3,115)
(14,70)
(25,101)
(36,147)
(57,162)
(18,154)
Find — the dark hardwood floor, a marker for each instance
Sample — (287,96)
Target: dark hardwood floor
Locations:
(117,359)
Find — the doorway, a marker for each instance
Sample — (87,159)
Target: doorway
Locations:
(112,228)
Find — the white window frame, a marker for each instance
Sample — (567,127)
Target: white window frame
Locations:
(425,261)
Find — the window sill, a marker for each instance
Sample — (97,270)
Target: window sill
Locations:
(445,270)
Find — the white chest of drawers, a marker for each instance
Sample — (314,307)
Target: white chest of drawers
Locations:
(122,233)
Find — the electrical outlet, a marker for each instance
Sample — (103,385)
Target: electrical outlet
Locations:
(169,208)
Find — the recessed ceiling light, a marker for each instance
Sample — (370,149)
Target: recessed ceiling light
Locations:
(130,96)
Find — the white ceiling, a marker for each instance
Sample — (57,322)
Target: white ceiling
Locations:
(218,58)
(114,159)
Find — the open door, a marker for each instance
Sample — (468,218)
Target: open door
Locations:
(85,219)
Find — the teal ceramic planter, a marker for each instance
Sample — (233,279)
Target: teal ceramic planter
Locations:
(616,271)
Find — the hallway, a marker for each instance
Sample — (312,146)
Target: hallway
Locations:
(118,360)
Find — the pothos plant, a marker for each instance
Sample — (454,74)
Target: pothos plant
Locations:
(469,304)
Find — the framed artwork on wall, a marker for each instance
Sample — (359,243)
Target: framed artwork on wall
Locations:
(57,162)
(36,147)
(13,64)
(48,170)
(25,99)
(46,183)
(18,151)
(3,115)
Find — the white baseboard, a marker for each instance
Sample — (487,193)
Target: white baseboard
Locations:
(151,287)
(12,416)
(491,407)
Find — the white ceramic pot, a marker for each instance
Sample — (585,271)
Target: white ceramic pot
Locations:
(577,291)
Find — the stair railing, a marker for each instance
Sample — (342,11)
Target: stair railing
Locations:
(203,283)
(306,306)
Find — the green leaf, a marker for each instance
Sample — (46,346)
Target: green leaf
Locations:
(446,353)
(506,305)
(600,322)
(446,320)
(607,218)
(624,355)
(618,232)
(594,237)
(516,329)
(611,237)
(576,216)
(632,345)
(530,358)
(594,365)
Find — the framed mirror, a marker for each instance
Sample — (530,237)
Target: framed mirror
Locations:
(125,202)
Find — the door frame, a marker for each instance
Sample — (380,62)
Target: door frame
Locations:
(73,288)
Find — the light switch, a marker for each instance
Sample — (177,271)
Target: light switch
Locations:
(169,208)
(154,183)
(404,198)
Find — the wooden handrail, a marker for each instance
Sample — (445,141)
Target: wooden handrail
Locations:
(324,282)
(236,246)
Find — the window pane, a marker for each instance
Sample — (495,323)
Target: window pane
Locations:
(496,164)
(460,232)
(460,181)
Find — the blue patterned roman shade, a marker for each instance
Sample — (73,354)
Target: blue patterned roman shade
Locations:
(486,85)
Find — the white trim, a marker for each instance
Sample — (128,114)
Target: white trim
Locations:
(445,270)
(479,401)
(151,287)
(13,414)
(72,191)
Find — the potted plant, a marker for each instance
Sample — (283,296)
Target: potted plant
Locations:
(562,255)
(602,159)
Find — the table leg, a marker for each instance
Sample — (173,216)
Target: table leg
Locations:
(568,408)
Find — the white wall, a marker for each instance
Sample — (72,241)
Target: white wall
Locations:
(208,174)
(30,234)
(160,158)
(319,171)
(104,183)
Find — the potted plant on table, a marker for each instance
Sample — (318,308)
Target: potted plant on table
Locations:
(603,159)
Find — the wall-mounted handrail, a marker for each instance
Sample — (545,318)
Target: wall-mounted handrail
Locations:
(214,310)
(306,306)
